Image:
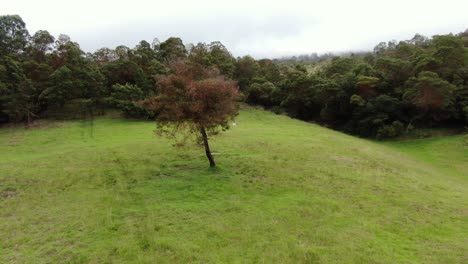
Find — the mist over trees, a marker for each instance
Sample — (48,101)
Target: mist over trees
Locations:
(421,82)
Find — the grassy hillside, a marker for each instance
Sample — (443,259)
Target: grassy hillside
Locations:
(448,154)
(285,192)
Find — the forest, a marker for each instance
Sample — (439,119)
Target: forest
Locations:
(398,87)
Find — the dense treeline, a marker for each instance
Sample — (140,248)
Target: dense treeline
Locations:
(417,83)
(421,82)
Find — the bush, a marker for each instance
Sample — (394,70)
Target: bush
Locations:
(126,98)
(390,131)
(260,93)
(465,112)
(277,110)
(135,110)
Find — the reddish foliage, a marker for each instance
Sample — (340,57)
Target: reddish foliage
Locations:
(366,90)
(429,99)
(196,99)
(196,95)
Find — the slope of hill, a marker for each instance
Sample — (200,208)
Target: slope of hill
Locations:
(286,191)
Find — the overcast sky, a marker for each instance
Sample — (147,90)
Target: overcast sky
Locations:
(256,27)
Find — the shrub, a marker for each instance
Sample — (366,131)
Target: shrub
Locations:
(390,131)
(126,98)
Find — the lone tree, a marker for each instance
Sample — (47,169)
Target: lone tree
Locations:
(194,99)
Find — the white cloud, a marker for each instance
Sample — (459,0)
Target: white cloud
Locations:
(260,28)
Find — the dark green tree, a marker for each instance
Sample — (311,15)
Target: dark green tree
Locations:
(16,92)
(13,35)
(171,49)
(432,96)
(247,69)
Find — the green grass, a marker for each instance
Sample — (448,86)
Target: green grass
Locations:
(447,154)
(285,191)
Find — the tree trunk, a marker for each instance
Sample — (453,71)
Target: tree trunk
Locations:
(28,125)
(207,147)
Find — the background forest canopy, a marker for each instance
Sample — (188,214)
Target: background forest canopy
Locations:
(422,82)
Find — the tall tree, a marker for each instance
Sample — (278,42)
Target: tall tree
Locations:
(431,95)
(171,49)
(13,35)
(104,56)
(16,91)
(222,58)
(247,69)
(37,66)
(450,55)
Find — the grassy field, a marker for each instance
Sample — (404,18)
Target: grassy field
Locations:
(285,191)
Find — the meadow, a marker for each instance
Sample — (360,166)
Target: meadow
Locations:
(284,191)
